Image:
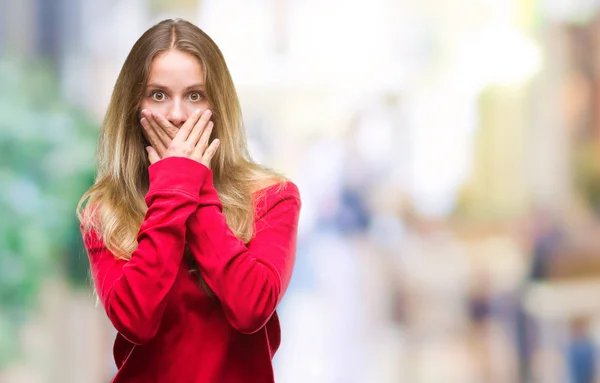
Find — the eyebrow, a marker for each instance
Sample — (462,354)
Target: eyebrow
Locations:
(154,85)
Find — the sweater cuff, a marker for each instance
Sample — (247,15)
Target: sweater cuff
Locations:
(177,173)
(208,194)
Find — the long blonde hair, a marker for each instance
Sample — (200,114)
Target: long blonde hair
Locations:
(115,205)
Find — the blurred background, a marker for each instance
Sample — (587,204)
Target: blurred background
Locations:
(447,154)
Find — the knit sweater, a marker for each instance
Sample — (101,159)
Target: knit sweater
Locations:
(170,329)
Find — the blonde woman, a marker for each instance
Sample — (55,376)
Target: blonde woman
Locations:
(191,243)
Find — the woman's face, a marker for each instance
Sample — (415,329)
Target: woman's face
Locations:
(175,87)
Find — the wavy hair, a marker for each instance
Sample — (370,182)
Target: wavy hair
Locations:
(114,205)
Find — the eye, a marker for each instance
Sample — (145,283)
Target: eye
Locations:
(195,96)
(158,95)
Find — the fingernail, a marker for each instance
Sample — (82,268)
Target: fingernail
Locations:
(143,120)
(148,149)
(207,112)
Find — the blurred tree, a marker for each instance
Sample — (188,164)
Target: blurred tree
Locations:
(587,173)
(46,163)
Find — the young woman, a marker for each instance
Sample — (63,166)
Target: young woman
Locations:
(191,243)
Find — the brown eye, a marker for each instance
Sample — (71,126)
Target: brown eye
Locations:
(158,96)
(195,97)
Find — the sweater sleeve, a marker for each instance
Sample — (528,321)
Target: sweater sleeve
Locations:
(134,292)
(249,280)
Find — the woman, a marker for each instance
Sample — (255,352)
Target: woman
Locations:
(191,243)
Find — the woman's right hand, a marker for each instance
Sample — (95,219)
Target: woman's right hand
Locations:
(190,141)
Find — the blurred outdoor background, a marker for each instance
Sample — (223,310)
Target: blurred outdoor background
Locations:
(447,152)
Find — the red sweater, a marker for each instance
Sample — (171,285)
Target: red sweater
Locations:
(169,329)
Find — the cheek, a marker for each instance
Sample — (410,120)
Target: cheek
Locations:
(159,108)
(144,104)
(191,107)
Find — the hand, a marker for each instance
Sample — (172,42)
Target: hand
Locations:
(190,141)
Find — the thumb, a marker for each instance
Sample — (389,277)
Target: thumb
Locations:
(152,155)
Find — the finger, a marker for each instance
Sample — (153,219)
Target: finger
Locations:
(184,132)
(203,142)
(152,136)
(153,156)
(166,125)
(160,132)
(199,128)
(210,152)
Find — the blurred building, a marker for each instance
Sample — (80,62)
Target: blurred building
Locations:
(455,145)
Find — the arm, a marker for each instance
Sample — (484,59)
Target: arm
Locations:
(249,280)
(134,292)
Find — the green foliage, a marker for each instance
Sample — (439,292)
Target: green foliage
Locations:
(46,163)
(587,173)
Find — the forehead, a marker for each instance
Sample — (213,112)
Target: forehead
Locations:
(176,66)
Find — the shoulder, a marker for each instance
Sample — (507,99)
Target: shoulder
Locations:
(274,187)
(276,191)
(265,183)
(90,227)
(89,220)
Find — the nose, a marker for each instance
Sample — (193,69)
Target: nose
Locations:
(177,114)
